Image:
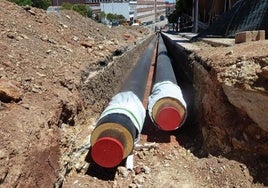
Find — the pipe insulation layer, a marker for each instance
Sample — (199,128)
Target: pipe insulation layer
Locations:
(120,124)
(167,107)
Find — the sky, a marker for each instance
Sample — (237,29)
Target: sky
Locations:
(171,1)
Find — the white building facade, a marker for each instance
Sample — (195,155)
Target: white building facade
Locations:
(150,10)
(127,9)
(143,11)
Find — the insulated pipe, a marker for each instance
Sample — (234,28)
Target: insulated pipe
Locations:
(120,124)
(137,79)
(166,107)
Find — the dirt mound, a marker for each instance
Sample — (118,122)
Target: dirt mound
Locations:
(44,61)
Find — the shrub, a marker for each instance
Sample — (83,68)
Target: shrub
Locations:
(43,4)
(84,10)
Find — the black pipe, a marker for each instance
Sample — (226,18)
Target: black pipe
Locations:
(121,122)
(164,70)
(136,81)
(167,107)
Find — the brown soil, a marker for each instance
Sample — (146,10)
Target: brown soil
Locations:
(57,74)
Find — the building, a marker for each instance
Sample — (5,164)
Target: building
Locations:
(127,9)
(143,11)
(95,6)
(149,11)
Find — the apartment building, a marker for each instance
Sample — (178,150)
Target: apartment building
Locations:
(144,11)
(150,10)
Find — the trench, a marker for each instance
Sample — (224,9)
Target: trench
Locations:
(96,90)
(196,78)
(190,131)
(99,89)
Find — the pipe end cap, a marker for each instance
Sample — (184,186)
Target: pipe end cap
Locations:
(168,118)
(107,152)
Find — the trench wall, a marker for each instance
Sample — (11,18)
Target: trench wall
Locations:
(225,126)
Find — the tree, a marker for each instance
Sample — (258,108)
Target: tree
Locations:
(117,17)
(84,10)
(184,6)
(67,6)
(101,16)
(110,16)
(89,12)
(22,2)
(81,9)
(43,4)
(173,17)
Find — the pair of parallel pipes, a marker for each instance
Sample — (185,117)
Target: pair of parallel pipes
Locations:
(119,126)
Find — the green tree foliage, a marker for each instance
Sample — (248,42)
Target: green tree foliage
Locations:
(173,17)
(184,6)
(43,4)
(119,17)
(89,12)
(100,16)
(22,2)
(84,10)
(110,16)
(67,6)
(81,9)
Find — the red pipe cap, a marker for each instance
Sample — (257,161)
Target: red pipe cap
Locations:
(107,152)
(168,118)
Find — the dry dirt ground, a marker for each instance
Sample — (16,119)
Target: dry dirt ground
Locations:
(57,73)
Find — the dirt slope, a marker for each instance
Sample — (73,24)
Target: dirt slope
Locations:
(44,59)
(57,73)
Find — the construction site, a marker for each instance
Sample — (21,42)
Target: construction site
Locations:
(86,105)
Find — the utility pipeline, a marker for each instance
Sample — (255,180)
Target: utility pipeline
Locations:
(167,107)
(119,126)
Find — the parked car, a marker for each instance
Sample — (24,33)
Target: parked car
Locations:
(114,23)
(162,18)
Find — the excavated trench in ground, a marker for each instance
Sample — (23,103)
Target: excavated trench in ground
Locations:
(213,122)
(96,90)
(99,87)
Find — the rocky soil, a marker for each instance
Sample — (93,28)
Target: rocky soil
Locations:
(59,71)
(47,61)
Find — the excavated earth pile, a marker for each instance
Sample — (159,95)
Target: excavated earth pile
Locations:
(58,71)
(47,61)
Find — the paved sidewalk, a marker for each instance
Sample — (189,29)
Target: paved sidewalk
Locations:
(183,39)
